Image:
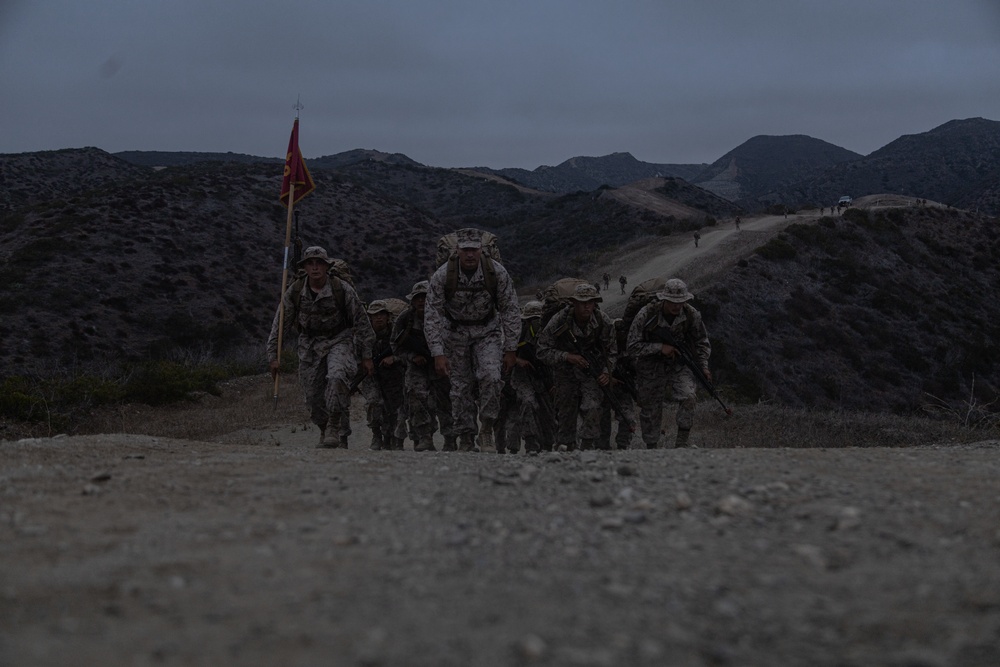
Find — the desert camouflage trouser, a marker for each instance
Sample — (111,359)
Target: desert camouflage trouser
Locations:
(427,397)
(577,395)
(476,366)
(657,382)
(324,382)
(532,414)
(623,438)
(383,399)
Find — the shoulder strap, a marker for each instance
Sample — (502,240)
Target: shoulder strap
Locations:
(451,278)
(489,276)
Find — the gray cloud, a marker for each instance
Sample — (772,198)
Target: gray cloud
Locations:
(499,84)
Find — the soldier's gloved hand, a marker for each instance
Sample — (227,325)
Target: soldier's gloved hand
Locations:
(441,366)
(509,359)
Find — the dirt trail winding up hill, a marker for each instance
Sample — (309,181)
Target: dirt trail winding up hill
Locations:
(719,248)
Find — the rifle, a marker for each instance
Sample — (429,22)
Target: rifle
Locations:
(361,375)
(625,374)
(663,335)
(594,370)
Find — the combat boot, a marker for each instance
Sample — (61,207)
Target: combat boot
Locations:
(486,443)
(530,444)
(425,444)
(466,443)
(325,442)
(343,442)
(397,444)
(683,438)
(450,444)
(377,440)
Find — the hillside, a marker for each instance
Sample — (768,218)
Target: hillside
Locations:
(590,173)
(956,163)
(186,260)
(881,310)
(751,174)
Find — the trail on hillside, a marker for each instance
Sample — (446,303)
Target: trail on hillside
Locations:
(676,256)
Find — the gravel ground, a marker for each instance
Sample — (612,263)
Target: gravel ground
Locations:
(133,550)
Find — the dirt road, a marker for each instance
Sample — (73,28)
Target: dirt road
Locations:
(678,256)
(131,550)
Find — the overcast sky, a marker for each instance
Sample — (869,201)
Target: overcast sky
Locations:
(498,83)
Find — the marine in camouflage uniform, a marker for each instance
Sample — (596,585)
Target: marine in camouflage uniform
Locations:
(383,391)
(427,394)
(660,374)
(334,332)
(531,416)
(472,334)
(575,333)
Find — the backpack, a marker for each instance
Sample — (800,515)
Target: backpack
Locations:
(447,252)
(448,246)
(556,296)
(642,294)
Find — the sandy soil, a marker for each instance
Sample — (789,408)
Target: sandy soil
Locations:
(255,548)
(132,550)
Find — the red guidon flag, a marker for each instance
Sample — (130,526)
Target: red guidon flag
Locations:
(295,170)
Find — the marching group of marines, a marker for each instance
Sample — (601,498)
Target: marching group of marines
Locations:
(464,358)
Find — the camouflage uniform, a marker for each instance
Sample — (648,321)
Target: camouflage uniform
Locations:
(383,391)
(472,330)
(624,372)
(329,335)
(427,395)
(577,393)
(659,377)
(532,415)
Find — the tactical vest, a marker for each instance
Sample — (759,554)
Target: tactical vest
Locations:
(451,287)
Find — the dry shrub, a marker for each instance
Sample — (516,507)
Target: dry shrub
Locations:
(765,425)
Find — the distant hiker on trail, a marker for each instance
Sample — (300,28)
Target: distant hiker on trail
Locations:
(331,320)
(597,286)
(607,279)
(472,328)
(697,237)
(738,222)
(623,281)
(660,373)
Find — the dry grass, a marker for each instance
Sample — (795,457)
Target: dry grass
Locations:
(247,404)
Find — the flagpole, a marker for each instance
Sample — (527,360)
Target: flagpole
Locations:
(284,285)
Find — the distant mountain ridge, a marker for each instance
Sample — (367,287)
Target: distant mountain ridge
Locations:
(753,172)
(590,173)
(957,163)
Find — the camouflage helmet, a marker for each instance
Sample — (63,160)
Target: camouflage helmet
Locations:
(675,291)
(314,252)
(418,289)
(378,306)
(584,293)
(469,238)
(531,309)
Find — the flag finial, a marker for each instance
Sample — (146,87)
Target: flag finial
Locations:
(298,106)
